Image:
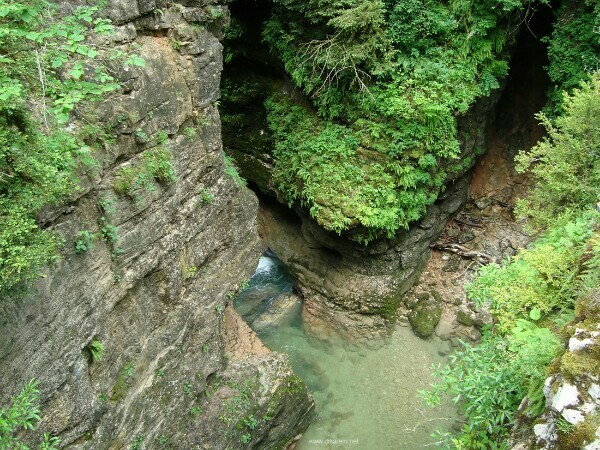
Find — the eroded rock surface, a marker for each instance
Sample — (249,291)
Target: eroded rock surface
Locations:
(167,256)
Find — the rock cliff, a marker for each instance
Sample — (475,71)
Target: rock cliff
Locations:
(356,289)
(161,260)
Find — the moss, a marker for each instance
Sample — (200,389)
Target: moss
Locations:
(424,318)
(294,385)
(389,308)
(581,362)
(123,381)
(583,434)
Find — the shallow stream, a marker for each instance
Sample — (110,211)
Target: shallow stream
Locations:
(365,399)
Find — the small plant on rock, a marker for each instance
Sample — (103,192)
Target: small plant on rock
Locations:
(84,242)
(96,349)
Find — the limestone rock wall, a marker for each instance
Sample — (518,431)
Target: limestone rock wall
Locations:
(167,256)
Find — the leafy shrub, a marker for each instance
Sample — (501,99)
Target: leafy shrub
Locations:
(542,279)
(232,171)
(84,242)
(22,415)
(565,165)
(573,49)
(541,283)
(96,349)
(488,382)
(387,80)
(206,197)
(155,166)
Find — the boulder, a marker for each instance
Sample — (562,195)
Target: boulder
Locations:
(424,317)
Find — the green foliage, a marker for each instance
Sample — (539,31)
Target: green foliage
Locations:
(22,415)
(190,133)
(573,49)
(566,164)
(84,242)
(109,232)
(488,382)
(388,80)
(190,272)
(206,197)
(47,70)
(563,426)
(96,349)
(155,166)
(137,443)
(539,281)
(232,171)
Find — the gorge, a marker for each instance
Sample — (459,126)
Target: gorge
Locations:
(362,156)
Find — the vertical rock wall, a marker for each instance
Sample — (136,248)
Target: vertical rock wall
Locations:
(167,256)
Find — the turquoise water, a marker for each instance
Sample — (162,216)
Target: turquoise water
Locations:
(365,398)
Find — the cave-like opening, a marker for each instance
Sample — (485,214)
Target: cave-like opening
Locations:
(514,126)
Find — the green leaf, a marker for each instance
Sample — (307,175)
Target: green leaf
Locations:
(535,314)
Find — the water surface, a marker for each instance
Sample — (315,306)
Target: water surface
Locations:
(365,398)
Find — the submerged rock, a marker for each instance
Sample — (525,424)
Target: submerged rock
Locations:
(281,311)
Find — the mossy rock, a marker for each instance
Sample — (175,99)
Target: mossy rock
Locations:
(424,317)
(583,433)
(581,363)
(464,317)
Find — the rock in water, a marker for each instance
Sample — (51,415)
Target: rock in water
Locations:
(425,316)
(280,312)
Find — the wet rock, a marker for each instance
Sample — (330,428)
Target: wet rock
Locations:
(281,311)
(403,321)
(444,330)
(483,202)
(424,317)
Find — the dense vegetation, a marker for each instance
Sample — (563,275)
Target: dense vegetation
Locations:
(532,295)
(45,77)
(573,48)
(388,81)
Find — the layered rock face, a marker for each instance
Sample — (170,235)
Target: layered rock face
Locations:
(352,289)
(166,257)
